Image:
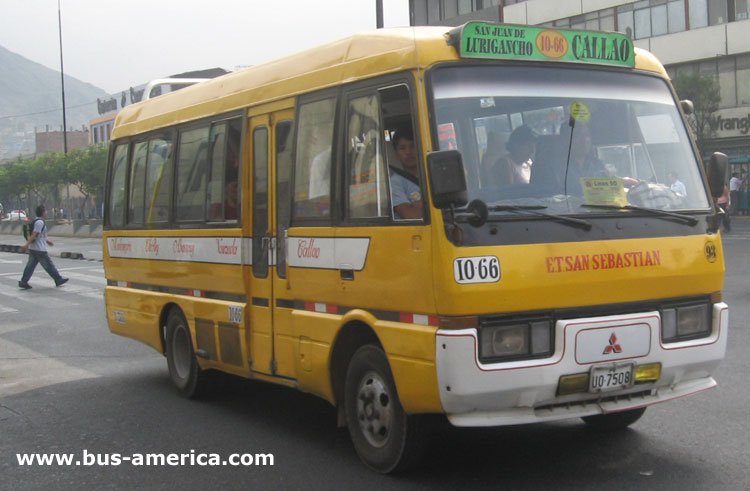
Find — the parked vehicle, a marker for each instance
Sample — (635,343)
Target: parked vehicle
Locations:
(16,216)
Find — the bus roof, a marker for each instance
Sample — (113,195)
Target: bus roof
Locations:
(362,55)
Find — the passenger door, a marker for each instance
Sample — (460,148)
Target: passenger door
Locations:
(260,282)
(269,333)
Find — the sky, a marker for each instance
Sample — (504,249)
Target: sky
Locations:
(116,44)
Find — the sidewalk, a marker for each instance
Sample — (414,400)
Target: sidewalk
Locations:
(84,248)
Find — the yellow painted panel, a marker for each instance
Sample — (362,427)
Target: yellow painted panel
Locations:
(416,383)
(559,275)
(130,317)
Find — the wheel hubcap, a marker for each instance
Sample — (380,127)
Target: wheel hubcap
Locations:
(374,409)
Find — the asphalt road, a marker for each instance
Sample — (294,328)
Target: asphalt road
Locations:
(69,386)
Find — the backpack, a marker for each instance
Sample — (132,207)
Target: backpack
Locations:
(28,228)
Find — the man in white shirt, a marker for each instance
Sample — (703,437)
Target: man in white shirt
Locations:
(677,186)
(37,246)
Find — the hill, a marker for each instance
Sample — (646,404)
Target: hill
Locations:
(30,97)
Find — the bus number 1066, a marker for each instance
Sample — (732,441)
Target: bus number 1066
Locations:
(480,269)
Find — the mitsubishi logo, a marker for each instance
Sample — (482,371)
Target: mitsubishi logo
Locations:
(613,347)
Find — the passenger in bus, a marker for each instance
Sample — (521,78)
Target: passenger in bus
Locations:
(231,201)
(515,168)
(677,186)
(406,193)
(583,161)
(320,175)
(495,150)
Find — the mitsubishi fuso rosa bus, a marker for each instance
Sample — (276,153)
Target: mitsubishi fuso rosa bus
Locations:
(481,222)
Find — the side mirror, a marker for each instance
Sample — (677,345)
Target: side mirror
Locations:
(447,178)
(687,106)
(716,171)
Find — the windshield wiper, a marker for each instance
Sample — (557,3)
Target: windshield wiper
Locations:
(652,211)
(533,210)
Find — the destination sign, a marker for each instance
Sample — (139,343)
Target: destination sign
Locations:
(519,42)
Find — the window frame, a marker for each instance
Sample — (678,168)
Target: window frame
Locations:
(368,87)
(110,175)
(173,133)
(334,211)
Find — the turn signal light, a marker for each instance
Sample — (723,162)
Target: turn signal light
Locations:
(650,372)
(573,384)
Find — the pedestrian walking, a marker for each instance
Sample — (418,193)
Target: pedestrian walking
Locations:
(725,202)
(735,183)
(38,253)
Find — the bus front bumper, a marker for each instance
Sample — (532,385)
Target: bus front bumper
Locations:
(473,393)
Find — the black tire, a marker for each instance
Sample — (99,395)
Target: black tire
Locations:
(183,366)
(614,421)
(385,438)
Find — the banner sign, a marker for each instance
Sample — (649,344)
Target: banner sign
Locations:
(518,42)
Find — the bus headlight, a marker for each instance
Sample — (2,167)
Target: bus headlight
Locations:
(515,340)
(683,322)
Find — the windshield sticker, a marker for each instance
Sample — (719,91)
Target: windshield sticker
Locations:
(447,137)
(479,269)
(580,112)
(604,191)
(509,41)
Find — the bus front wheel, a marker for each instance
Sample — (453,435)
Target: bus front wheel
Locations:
(385,438)
(184,371)
(614,421)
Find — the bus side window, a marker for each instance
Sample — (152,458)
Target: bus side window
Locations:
(368,195)
(232,171)
(192,174)
(312,169)
(405,181)
(137,183)
(117,196)
(223,188)
(158,181)
(283,139)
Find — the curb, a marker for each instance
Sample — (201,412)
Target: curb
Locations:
(71,255)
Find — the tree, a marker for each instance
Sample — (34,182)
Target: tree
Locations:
(25,183)
(86,169)
(703,90)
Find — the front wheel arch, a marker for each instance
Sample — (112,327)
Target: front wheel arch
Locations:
(350,338)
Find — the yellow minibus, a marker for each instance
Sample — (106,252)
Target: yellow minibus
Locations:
(502,224)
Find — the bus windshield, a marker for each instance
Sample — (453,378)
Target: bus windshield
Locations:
(568,140)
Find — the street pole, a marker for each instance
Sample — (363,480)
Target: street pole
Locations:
(378,13)
(62,80)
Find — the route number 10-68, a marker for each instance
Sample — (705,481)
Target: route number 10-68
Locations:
(479,269)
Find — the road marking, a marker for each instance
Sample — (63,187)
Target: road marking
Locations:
(31,296)
(101,281)
(23,369)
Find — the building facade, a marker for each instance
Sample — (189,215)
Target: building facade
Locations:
(709,37)
(54,141)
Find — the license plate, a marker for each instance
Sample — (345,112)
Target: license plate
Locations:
(611,377)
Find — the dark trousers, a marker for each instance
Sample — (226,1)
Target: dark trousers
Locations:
(40,257)
(735,200)
(726,220)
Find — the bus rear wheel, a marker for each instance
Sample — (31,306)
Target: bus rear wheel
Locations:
(385,438)
(184,371)
(614,421)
